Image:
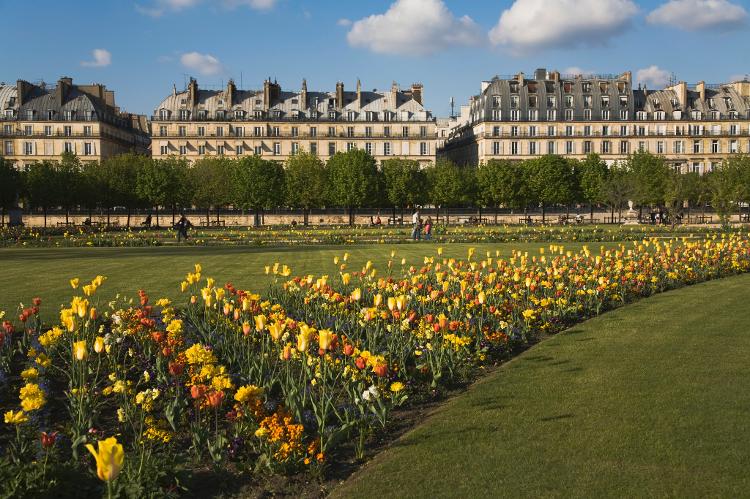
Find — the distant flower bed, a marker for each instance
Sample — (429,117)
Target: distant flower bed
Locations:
(344,235)
(139,395)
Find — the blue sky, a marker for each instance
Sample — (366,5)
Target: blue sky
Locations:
(143,47)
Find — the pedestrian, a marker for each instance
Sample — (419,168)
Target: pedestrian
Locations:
(415,222)
(428,229)
(182,226)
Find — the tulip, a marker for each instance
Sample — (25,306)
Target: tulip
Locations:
(303,338)
(48,439)
(380,370)
(246,328)
(260,322)
(377,300)
(109,458)
(348,349)
(481,297)
(74,283)
(215,398)
(356,294)
(79,350)
(276,330)
(99,344)
(391,303)
(286,353)
(197,391)
(325,338)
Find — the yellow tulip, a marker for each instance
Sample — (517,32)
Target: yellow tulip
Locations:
(99,344)
(345,278)
(356,294)
(109,458)
(377,300)
(481,297)
(303,338)
(391,303)
(325,337)
(276,330)
(260,322)
(74,283)
(79,350)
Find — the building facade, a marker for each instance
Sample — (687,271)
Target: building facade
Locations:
(197,123)
(694,126)
(41,123)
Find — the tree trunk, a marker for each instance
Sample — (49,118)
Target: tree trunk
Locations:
(496,210)
(174,208)
(305,216)
(592,212)
(67,213)
(256,217)
(127,222)
(2,217)
(109,211)
(218,209)
(447,216)
(208,216)
(44,211)
(157,215)
(351,216)
(543,214)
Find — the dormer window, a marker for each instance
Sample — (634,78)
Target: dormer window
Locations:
(258,114)
(184,114)
(715,115)
(514,102)
(711,103)
(568,101)
(605,101)
(277,113)
(532,101)
(219,115)
(202,114)
(587,101)
(331,115)
(69,115)
(50,114)
(295,113)
(29,114)
(623,101)
(733,115)
(387,116)
(295,101)
(586,86)
(350,115)
(163,114)
(221,102)
(495,101)
(660,115)
(239,114)
(641,115)
(728,103)
(550,101)
(183,102)
(9,113)
(696,115)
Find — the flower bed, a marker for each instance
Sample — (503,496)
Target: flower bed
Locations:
(280,384)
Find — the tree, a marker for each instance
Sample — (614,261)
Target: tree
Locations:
(618,187)
(258,184)
(726,188)
(650,174)
(352,180)
(69,183)
(404,183)
(40,188)
(446,186)
(305,182)
(551,180)
(10,187)
(209,184)
(502,183)
(160,183)
(93,190)
(121,176)
(593,175)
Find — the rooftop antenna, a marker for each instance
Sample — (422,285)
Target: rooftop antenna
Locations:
(453,106)
(672,79)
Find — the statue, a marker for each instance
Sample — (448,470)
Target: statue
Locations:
(631,217)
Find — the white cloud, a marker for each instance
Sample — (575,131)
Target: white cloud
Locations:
(101,58)
(414,27)
(653,76)
(695,15)
(344,22)
(253,4)
(536,24)
(205,64)
(576,70)
(160,7)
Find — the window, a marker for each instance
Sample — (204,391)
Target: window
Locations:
(331,131)
(314,148)
(606,147)
(201,131)
(533,114)
(623,114)
(183,150)
(368,147)
(331,115)
(184,114)
(660,147)
(87,149)
(734,130)
(587,114)
(387,131)
(219,131)
(331,148)
(275,131)
(715,147)
(733,146)
(351,115)
(295,131)
(350,146)
(239,131)
(697,146)
(587,147)
(9,113)
(515,115)
(587,130)
(201,150)
(551,101)
(8,129)
(28,130)
(220,150)
(313,131)
(532,148)
(551,131)
(202,114)
(514,131)
(387,148)
(164,150)
(551,114)
(239,114)
(568,101)
(162,131)
(605,114)
(514,102)
(68,147)
(405,131)
(350,131)
(569,149)
(67,131)
(496,148)
(220,114)
(623,130)
(624,147)
(678,147)
(295,147)
(514,148)
(368,131)
(258,150)
(28,148)
(69,115)
(182,131)
(48,131)
(495,131)
(532,131)
(715,129)
(568,131)
(29,114)
(568,115)
(423,131)
(423,151)
(87,131)
(605,101)
(239,150)
(277,148)
(587,100)
(495,101)
(258,131)
(605,131)
(551,147)
(642,146)
(8,148)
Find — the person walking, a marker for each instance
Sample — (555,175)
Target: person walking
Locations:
(416,225)
(182,226)
(428,229)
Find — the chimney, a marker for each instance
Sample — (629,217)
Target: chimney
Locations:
(303,95)
(554,76)
(23,88)
(229,97)
(540,74)
(416,92)
(520,78)
(681,90)
(193,92)
(359,92)
(645,91)
(627,76)
(267,94)
(701,88)
(394,94)
(109,97)
(340,95)
(63,88)
(174,89)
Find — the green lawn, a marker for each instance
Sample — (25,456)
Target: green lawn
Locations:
(650,400)
(45,272)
